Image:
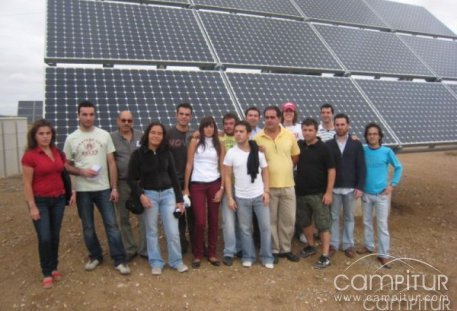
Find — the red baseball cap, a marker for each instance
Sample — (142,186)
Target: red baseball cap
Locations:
(289,106)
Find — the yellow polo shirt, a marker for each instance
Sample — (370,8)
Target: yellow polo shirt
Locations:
(278,153)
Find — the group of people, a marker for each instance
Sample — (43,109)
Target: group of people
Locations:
(271,184)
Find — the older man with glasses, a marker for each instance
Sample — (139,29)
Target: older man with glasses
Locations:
(126,140)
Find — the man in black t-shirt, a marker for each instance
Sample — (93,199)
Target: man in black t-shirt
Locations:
(178,136)
(313,187)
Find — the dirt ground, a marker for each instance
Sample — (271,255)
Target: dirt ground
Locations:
(422,225)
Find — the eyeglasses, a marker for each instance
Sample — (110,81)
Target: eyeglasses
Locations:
(126,120)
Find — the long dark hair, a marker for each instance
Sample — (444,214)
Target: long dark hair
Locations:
(145,138)
(373,125)
(205,122)
(31,140)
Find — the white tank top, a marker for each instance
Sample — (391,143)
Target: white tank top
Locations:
(206,163)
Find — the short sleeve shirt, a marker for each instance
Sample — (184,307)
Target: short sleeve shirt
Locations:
(47,179)
(88,150)
(278,153)
(238,160)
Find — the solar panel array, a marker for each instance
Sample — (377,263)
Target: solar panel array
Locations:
(149,94)
(440,55)
(99,32)
(409,18)
(351,12)
(32,110)
(261,42)
(364,51)
(418,113)
(309,93)
(266,7)
(274,35)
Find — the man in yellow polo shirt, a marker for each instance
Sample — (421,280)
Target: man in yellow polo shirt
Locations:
(281,151)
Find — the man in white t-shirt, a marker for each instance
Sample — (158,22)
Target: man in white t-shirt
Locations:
(90,152)
(251,181)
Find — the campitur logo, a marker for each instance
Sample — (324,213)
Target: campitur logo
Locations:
(412,284)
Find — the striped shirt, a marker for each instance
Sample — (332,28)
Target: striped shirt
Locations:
(324,134)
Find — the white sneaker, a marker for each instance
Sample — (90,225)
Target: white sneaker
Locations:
(182,268)
(303,239)
(156,271)
(91,264)
(247,264)
(123,269)
(269,265)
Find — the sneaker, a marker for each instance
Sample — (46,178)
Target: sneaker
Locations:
(47,282)
(91,264)
(308,251)
(157,271)
(303,239)
(269,265)
(56,275)
(247,264)
(227,260)
(182,268)
(322,263)
(123,269)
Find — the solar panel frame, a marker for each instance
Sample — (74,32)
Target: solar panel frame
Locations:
(439,55)
(309,93)
(149,94)
(419,113)
(409,18)
(91,32)
(266,43)
(348,12)
(355,48)
(275,8)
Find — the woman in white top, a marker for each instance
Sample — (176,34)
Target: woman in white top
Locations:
(289,119)
(203,173)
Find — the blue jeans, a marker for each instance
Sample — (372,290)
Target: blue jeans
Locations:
(85,201)
(48,231)
(380,203)
(347,202)
(245,208)
(163,203)
(230,229)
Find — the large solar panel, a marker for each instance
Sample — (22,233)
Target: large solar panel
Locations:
(264,7)
(149,94)
(409,18)
(32,110)
(418,113)
(351,12)
(308,92)
(104,32)
(439,55)
(164,2)
(364,51)
(266,43)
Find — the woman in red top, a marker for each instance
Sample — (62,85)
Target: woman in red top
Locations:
(42,165)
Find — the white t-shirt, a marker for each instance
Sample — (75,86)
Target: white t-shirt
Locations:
(296,130)
(238,160)
(88,150)
(206,163)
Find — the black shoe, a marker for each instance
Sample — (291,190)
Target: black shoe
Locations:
(239,254)
(144,256)
(214,261)
(308,251)
(130,257)
(196,263)
(227,260)
(291,257)
(275,259)
(323,262)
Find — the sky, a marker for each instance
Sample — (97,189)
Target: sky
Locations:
(22,46)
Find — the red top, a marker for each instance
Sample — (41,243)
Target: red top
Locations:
(47,179)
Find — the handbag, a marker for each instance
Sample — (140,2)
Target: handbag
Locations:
(66,181)
(134,205)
